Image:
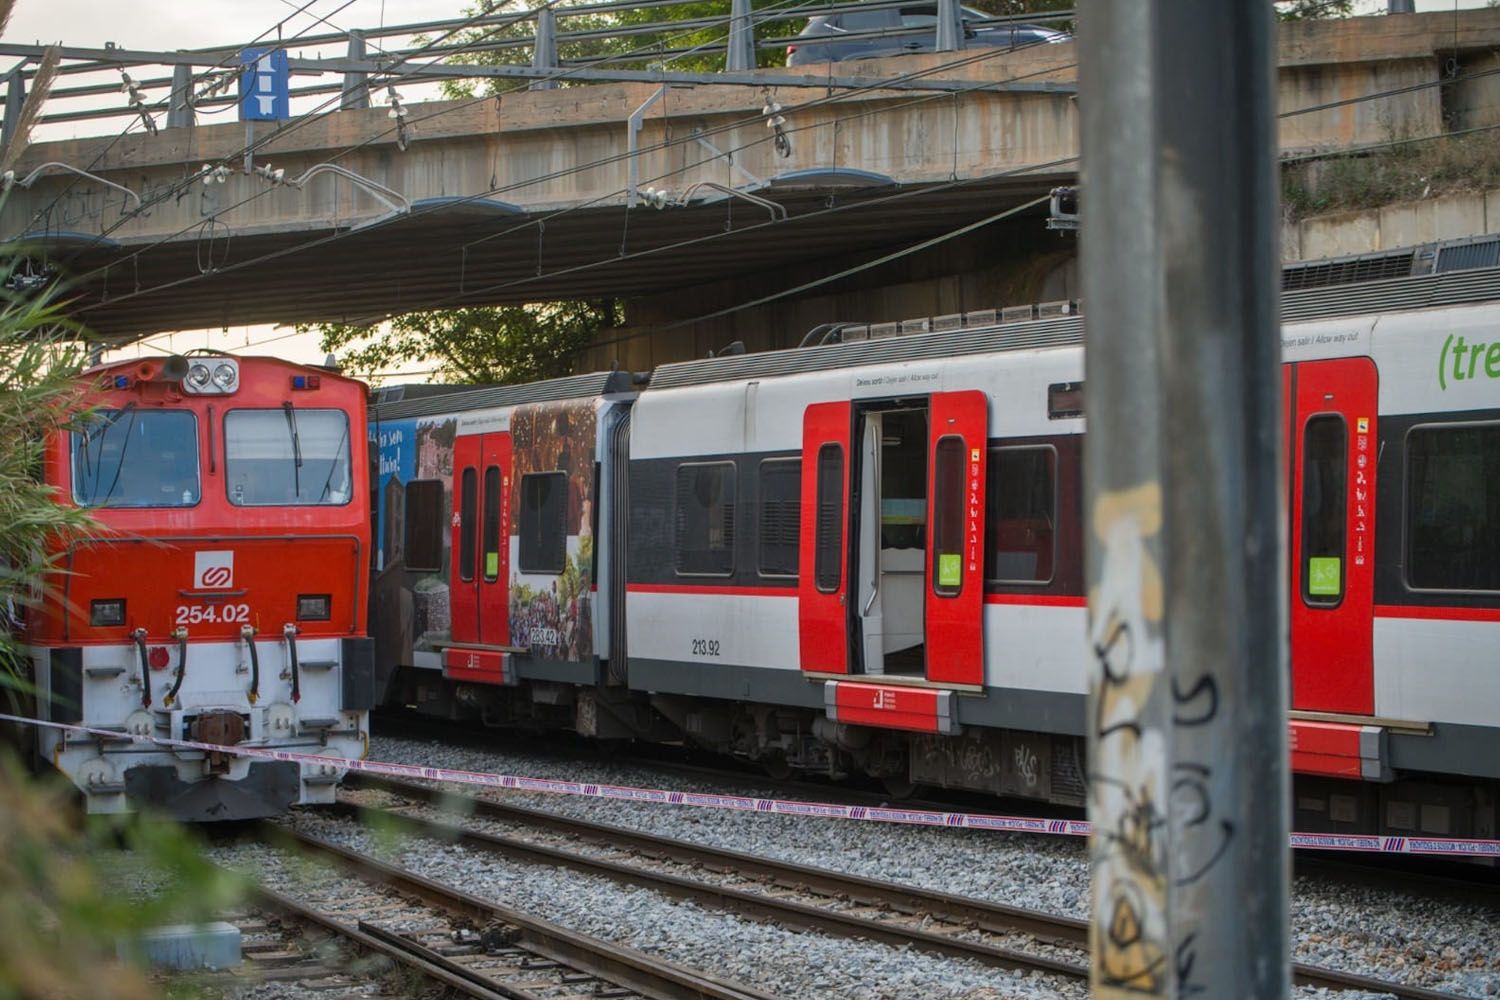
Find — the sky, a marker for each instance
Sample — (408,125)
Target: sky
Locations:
(182,24)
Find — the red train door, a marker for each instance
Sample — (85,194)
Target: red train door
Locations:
(1332,445)
(822,570)
(480,582)
(958,426)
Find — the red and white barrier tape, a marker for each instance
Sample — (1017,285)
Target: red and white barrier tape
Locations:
(1367,843)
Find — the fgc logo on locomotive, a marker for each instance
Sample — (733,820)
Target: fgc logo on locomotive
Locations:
(213,570)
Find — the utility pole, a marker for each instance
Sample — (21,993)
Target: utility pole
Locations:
(1188,788)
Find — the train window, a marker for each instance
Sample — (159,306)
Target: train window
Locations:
(1453,507)
(544,510)
(423,528)
(780,516)
(289,456)
(1325,510)
(948,517)
(1021,515)
(467,508)
(492,524)
(1064,400)
(828,538)
(133,458)
(705,519)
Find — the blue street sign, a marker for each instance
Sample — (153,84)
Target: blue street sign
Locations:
(265,86)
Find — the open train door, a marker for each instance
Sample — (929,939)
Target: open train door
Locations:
(1333,447)
(480,584)
(823,620)
(958,428)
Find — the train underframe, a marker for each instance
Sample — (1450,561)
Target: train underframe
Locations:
(103,687)
(1045,767)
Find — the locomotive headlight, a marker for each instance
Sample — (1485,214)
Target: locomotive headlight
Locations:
(199,376)
(313,607)
(110,611)
(225,376)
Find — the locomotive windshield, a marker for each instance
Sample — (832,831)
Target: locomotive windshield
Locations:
(137,458)
(287,456)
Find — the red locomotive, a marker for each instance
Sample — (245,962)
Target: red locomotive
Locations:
(222,598)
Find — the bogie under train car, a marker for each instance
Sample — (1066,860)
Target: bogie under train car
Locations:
(868,556)
(222,599)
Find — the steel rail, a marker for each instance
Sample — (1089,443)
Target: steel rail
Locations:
(760,906)
(415,958)
(1046,928)
(605,960)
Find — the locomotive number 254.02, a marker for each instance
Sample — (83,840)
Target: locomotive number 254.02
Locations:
(194,614)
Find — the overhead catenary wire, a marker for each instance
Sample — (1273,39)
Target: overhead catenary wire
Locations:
(199,78)
(847,272)
(173,190)
(641,52)
(821,100)
(602,161)
(841,95)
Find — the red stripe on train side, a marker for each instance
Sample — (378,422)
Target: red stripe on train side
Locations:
(1039,600)
(1447,614)
(720,589)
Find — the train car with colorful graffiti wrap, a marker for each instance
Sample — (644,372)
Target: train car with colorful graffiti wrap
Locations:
(222,597)
(867,556)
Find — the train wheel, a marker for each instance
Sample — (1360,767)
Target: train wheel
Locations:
(899,786)
(777,766)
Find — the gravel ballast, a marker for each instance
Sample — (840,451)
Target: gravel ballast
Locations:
(1437,943)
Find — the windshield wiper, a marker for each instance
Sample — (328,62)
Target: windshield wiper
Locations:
(333,467)
(291,426)
(124,445)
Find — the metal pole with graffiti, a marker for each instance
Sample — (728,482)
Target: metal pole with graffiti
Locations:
(1187,726)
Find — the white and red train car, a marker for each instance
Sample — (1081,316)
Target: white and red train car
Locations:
(222,598)
(868,556)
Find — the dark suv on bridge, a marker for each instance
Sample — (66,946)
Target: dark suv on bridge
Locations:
(827,37)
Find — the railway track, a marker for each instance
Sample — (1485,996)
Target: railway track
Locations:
(471,945)
(789,894)
(287,942)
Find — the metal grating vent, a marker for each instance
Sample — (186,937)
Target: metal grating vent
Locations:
(1347,271)
(1390,295)
(1464,257)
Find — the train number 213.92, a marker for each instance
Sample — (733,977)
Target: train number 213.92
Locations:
(705,647)
(195,614)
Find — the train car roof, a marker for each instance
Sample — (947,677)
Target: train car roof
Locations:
(1331,301)
(430,401)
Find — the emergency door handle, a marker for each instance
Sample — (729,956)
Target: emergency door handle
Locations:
(874,593)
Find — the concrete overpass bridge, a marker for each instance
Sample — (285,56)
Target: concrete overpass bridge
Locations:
(543,194)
